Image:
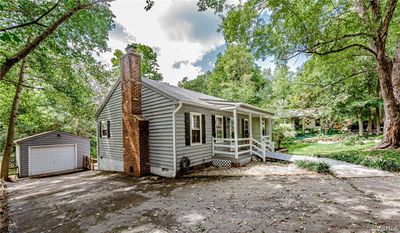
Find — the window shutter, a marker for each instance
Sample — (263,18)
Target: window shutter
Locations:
(108,129)
(100,129)
(187,129)
(213,125)
(243,128)
(203,128)
(224,126)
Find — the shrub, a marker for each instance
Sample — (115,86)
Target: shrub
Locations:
(388,160)
(319,167)
(282,132)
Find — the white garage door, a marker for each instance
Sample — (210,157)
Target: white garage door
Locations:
(50,159)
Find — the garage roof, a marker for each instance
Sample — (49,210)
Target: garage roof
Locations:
(46,133)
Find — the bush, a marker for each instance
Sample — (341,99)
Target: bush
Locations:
(282,132)
(319,167)
(388,160)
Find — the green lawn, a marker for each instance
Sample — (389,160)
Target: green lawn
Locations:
(319,148)
(357,152)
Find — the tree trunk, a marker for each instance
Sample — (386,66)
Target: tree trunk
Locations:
(360,124)
(11,125)
(370,116)
(378,120)
(391,106)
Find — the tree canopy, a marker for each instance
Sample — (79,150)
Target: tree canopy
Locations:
(148,64)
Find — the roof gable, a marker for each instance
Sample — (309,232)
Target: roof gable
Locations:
(43,134)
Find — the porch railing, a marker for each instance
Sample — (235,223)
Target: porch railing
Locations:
(226,146)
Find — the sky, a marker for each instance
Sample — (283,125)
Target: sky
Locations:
(186,41)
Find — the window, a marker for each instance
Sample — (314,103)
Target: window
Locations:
(264,127)
(105,129)
(231,128)
(246,127)
(195,128)
(219,127)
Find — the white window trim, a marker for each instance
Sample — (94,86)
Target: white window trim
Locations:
(192,128)
(222,128)
(104,125)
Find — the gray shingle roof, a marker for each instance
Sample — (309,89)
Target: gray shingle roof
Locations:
(180,94)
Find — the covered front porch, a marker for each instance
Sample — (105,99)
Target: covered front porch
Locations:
(245,132)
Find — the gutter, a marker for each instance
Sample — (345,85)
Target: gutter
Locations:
(174,135)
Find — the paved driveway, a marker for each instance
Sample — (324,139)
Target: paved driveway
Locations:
(263,202)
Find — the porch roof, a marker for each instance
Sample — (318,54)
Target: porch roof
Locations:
(230,105)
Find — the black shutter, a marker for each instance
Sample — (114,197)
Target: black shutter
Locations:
(108,129)
(187,129)
(243,128)
(224,126)
(203,128)
(100,129)
(213,125)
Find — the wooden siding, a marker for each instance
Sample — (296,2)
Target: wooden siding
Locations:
(83,148)
(112,147)
(198,154)
(158,109)
(256,127)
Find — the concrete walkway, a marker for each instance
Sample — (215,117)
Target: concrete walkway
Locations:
(339,168)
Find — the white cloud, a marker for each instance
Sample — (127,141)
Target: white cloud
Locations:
(192,39)
(177,31)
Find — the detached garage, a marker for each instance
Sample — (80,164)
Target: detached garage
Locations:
(50,152)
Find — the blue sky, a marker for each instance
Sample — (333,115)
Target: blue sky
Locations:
(186,41)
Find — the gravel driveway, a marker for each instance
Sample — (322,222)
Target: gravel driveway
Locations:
(274,198)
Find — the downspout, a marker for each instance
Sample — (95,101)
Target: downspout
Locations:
(174,135)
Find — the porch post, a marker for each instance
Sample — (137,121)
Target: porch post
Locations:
(236,133)
(250,133)
(270,133)
(270,128)
(261,134)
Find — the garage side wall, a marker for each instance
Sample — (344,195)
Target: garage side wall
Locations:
(52,139)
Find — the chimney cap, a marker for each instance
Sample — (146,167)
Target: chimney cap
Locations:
(131,47)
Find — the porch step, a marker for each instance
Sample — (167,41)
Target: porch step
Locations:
(228,161)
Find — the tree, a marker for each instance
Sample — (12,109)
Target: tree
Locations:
(287,28)
(199,84)
(148,64)
(11,125)
(341,86)
(61,13)
(236,76)
(61,64)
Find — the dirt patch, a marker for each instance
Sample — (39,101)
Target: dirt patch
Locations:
(4,216)
(253,169)
(270,197)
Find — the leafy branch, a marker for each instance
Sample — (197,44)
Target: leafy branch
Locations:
(32,22)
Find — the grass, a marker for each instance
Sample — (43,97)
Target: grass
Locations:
(388,160)
(319,167)
(319,148)
(352,150)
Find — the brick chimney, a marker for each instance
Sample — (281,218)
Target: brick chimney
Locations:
(135,126)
